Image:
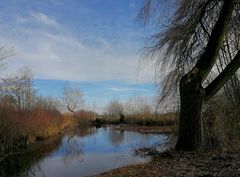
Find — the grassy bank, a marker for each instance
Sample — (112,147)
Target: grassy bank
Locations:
(20,127)
(37,123)
(159,120)
(144,129)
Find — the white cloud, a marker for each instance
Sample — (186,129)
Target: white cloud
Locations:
(63,56)
(124,89)
(21,20)
(43,19)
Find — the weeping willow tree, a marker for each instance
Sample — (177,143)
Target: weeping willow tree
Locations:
(193,40)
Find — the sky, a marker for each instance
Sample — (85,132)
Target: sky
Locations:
(93,45)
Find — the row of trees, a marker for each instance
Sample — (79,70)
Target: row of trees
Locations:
(138,110)
(133,106)
(25,116)
(18,90)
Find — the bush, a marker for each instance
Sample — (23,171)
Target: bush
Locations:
(222,124)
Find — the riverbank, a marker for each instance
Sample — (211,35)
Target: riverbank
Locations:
(48,133)
(182,164)
(76,156)
(18,163)
(144,129)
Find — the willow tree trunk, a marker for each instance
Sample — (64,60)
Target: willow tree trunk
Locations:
(192,94)
(192,97)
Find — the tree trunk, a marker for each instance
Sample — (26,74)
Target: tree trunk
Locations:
(192,94)
(192,97)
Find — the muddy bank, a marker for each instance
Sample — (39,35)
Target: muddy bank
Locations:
(144,129)
(183,165)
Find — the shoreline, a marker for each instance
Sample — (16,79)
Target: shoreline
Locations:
(168,163)
(182,164)
(143,129)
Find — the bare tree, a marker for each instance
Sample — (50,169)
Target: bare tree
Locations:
(6,52)
(115,108)
(138,106)
(187,50)
(18,88)
(47,103)
(72,99)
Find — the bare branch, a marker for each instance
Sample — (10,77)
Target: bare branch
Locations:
(72,99)
(223,77)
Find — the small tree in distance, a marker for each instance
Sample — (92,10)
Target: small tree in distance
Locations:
(115,108)
(72,99)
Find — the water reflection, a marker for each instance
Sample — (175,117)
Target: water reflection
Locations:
(73,151)
(23,163)
(116,137)
(87,152)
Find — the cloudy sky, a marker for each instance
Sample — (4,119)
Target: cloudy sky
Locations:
(93,45)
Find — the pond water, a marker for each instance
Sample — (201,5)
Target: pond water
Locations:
(90,151)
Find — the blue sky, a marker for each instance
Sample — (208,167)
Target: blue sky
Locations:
(93,45)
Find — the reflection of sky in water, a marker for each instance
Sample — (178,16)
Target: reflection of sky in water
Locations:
(103,150)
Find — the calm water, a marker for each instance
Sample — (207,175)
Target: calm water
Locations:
(90,151)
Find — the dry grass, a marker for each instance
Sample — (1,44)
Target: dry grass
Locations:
(144,119)
(85,118)
(181,164)
(37,123)
(221,123)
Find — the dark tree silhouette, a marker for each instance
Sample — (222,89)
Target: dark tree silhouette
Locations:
(189,48)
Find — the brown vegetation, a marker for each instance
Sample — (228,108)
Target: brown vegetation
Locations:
(24,116)
(137,111)
(145,129)
(85,118)
(182,164)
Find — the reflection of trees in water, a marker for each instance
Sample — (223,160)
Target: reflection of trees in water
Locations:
(116,137)
(144,139)
(74,151)
(34,171)
(74,147)
(89,131)
(82,131)
(21,164)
